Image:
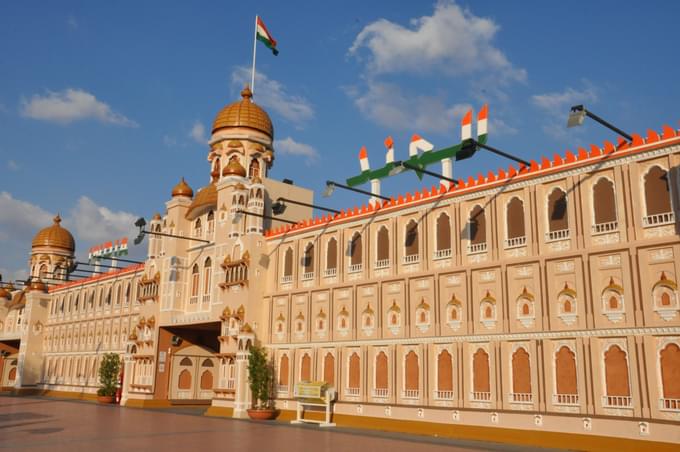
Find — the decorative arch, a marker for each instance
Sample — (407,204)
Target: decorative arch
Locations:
(558,217)
(381,373)
(567,308)
(514,217)
(354,372)
(477,226)
(356,249)
(454,312)
(284,364)
(612,301)
(288,263)
(665,296)
(308,258)
(669,363)
(604,203)
(332,254)
(383,246)
(566,384)
(481,384)
(443,234)
(657,191)
(526,310)
(194,283)
(617,381)
(445,374)
(488,310)
(411,245)
(411,374)
(306,367)
(521,376)
(329,368)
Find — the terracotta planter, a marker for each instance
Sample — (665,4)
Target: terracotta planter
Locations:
(263,415)
(105,399)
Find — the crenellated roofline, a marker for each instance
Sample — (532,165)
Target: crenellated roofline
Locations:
(568,162)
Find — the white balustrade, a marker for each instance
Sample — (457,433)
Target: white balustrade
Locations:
(553,236)
(669,405)
(519,397)
(443,395)
(354,392)
(410,393)
(515,242)
(658,219)
(306,276)
(479,396)
(380,393)
(285,279)
(617,401)
(382,263)
(411,259)
(603,228)
(441,254)
(330,272)
(565,399)
(355,268)
(475,248)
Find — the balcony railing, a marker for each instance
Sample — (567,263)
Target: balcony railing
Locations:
(475,248)
(658,219)
(411,259)
(441,254)
(410,393)
(669,405)
(380,393)
(306,276)
(515,242)
(355,268)
(603,228)
(565,399)
(617,401)
(206,298)
(477,396)
(231,383)
(354,392)
(285,279)
(330,272)
(443,395)
(382,263)
(553,236)
(193,300)
(282,389)
(519,397)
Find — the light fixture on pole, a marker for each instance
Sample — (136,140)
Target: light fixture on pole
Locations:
(239,213)
(141,222)
(578,114)
(400,165)
(330,188)
(280,206)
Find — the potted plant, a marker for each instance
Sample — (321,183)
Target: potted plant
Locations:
(261,380)
(108,378)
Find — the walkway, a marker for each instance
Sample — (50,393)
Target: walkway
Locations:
(34,423)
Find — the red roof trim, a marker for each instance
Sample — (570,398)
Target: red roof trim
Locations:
(104,276)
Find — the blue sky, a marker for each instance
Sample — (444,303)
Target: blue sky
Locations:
(104,106)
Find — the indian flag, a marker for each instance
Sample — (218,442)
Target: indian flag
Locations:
(264,36)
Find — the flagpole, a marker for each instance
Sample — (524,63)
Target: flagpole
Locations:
(252,81)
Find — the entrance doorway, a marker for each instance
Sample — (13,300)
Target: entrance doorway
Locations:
(194,374)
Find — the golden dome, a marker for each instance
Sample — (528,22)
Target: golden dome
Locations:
(4,293)
(206,197)
(234,168)
(182,189)
(244,113)
(55,236)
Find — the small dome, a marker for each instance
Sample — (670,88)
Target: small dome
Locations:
(234,168)
(55,236)
(205,198)
(5,294)
(157,216)
(37,285)
(244,113)
(182,189)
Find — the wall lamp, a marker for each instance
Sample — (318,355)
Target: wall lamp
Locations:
(331,185)
(578,114)
(141,222)
(280,206)
(239,213)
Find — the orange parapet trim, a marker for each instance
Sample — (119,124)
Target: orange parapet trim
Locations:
(111,274)
(558,163)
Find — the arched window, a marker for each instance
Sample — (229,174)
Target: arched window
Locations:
(306,368)
(411,239)
(308,259)
(411,375)
(118,296)
(477,227)
(127,294)
(288,263)
(211,222)
(194,284)
(356,250)
(481,385)
(514,216)
(657,192)
(207,274)
(184,380)
(381,374)
(445,375)
(616,377)
(108,296)
(217,168)
(43,272)
(669,361)
(329,369)
(254,169)
(198,230)
(565,377)
(604,205)
(443,236)
(332,254)
(521,376)
(283,371)
(383,247)
(354,380)
(558,219)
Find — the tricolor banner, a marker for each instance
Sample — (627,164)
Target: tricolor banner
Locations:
(265,37)
(109,249)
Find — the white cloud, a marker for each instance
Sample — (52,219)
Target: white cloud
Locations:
(389,106)
(452,40)
(197,133)
(288,146)
(94,223)
(89,222)
(556,105)
(274,97)
(12,165)
(71,105)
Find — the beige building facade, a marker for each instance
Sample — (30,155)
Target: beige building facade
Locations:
(538,299)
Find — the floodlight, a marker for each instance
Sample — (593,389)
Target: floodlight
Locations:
(576,116)
(330,188)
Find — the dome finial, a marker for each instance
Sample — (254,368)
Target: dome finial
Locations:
(246,93)
(57,219)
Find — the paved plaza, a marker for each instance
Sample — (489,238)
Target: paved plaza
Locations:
(33,423)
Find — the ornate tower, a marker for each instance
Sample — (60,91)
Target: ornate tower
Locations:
(52,252)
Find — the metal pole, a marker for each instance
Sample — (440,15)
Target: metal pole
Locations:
(357,190)
(174,236)
(252,82)
(608,125)
(266,217)
(424,171)
(300,203)
(501,153)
